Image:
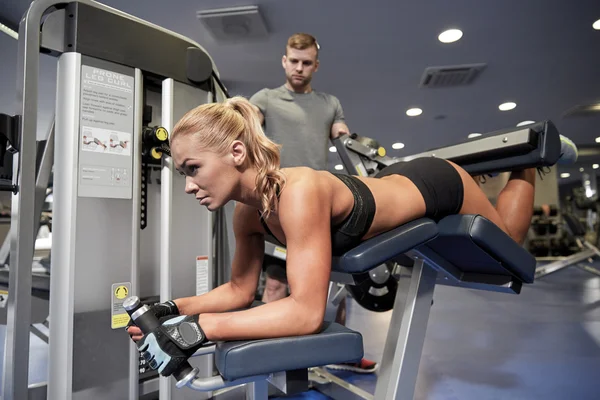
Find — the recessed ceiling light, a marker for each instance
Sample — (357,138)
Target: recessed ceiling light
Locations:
(413,112)
(596,25)
(565,175)
(339,167)
(523,123)
(333,149)
(507,106)
(473,135)
(398,146)
(449,36)
(595,166)
(581,169)
(598,139)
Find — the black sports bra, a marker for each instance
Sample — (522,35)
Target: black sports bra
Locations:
(350,231)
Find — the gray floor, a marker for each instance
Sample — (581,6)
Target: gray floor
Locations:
(542,344)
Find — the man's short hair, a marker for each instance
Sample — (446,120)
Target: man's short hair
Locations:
(302,41)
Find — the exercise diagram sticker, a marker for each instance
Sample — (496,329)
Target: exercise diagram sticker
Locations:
(105,141)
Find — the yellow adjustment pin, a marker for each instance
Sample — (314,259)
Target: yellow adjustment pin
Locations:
(381,152)
(156,153)
(161,134)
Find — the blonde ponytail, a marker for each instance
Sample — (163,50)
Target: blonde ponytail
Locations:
(263,153)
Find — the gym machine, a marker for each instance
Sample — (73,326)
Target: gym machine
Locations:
(114,233)
(376,288)
(585,198)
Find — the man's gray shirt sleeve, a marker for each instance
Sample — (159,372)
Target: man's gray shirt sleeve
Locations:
(260,100)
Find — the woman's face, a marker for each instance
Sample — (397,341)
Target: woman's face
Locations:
(211,177)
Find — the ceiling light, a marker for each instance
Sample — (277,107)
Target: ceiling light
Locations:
(473,135)
(398,146)
(595,166)
(507,106)
(596,25)
(523,123)
(333,149)
(339,167)
(413,112)
(565,175)
(598,139)
(449,36)
(580,169)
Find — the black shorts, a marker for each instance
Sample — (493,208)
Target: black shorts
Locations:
(439,182)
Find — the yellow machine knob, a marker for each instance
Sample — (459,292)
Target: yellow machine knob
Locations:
(156,153)
(161,134)
(381,152)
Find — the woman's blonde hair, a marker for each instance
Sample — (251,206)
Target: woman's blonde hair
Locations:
(216,125)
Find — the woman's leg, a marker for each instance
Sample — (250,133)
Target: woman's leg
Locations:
(514,206)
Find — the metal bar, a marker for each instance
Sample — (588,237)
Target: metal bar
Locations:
(589,269)
(41,331)
(43,177)
(135,221)
(550,268)
(258,390)
(16,352)
(335,387)
(498,141)
(166,215)
(217,382)
(406,335)
(335,295)
(351,160)
(62,284)
(591,247)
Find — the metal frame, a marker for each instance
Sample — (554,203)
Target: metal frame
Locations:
(25,202)
(588,252)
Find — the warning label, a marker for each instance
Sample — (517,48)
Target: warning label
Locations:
(119,317)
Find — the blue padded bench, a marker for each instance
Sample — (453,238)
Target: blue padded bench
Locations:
(334,344)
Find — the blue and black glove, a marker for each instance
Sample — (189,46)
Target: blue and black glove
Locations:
(172,343)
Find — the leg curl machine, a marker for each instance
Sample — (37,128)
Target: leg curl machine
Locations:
(460,250)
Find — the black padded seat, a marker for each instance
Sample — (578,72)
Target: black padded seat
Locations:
(476,246)
(384,247)
(334,344)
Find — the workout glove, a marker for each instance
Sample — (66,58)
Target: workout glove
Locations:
(172,343)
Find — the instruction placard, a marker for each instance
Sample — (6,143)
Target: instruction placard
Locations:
(106,130)
(119,292)
(202,275)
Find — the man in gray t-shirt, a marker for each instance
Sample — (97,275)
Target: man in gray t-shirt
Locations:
(302,121)
(295,116)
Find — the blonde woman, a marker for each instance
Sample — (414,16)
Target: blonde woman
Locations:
(224,155)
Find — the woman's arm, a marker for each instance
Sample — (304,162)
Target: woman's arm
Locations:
(245,270)
(305,215)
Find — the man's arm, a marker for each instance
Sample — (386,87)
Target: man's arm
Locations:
(339,126)
(338,129)
(260,114)
(259,101)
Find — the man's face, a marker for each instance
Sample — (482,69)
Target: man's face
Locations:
(299,66)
